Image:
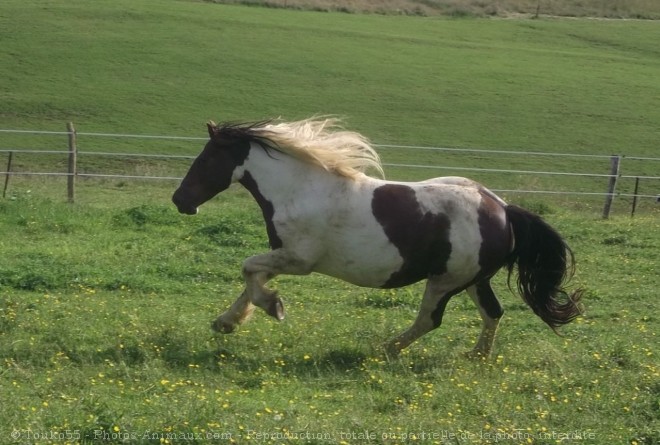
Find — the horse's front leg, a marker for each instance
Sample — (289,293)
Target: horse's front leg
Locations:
(237,313)
(257,271)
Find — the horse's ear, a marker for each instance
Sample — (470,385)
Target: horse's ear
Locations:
(212,127)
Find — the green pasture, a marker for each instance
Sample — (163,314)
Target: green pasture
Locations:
(104,323)
(106,304)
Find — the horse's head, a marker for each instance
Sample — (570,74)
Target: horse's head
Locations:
(213,170)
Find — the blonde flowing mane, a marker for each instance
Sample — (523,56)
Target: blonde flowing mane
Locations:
(318,141)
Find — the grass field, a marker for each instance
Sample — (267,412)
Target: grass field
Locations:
(105,304)
(105,331)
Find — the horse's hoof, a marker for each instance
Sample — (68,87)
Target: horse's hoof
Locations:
(222,327)
(475,354)
(392,351)
(276,308)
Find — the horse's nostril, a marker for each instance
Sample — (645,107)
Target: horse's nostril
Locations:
(182,204)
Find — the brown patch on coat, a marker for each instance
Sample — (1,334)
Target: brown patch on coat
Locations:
(495,234)
(266,208)
(422,239)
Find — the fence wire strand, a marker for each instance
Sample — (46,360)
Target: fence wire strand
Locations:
(381,146)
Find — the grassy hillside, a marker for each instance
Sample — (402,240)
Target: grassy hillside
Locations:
(166,67)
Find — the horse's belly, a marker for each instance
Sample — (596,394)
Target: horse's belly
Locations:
(366,266)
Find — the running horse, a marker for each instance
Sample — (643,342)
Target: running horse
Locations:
(324,214)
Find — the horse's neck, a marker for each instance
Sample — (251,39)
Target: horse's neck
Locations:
(281,178)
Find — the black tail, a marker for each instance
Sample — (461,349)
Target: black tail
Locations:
(544,263)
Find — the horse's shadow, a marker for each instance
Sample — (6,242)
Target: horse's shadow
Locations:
(342,360)
(178,351)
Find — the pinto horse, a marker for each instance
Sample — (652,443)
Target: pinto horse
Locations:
(324,214)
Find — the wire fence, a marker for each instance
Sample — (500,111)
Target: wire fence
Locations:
(641,169)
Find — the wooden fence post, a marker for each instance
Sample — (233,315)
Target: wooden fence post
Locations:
(73,168)
(4,190)
(634,201)
(611,186)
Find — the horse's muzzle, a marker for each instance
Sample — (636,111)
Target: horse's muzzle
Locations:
(182,204)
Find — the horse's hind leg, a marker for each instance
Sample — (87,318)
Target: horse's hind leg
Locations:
(436,297)
(491,311)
